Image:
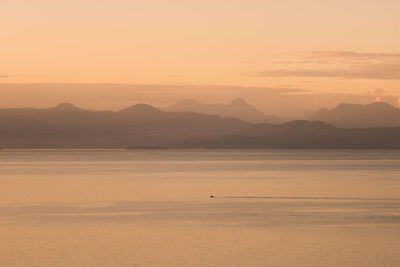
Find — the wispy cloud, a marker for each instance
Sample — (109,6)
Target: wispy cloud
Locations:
(354,55)
(366,71)
(9,76)
(338,64)
(334,57)
(303,61)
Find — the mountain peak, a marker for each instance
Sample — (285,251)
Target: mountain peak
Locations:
(238,108)
(371,107)
(381,105)
(377,114)
(238,101)
(66,107)
(140,108)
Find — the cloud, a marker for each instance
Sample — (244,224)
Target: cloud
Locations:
(9,76)
(308,61)
(355,55)
(366,71)
(148,88)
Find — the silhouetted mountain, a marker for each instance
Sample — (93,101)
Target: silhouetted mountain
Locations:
(377,114)
(143,126)
(292,128)
(140,109)
(66,107)
(140,125)
(306,135)
(238,108)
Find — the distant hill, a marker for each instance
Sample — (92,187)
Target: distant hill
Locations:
(377,114)
(238,108)
(139,125)
(306,135)
(143,126)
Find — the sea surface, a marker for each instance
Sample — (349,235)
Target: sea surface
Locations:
(153,208)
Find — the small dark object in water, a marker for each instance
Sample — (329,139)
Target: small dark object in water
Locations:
(211,196)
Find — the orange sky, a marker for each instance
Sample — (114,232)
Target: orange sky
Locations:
(345,46)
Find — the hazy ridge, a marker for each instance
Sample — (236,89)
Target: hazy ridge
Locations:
(144,126)
(238,108)
(378,114)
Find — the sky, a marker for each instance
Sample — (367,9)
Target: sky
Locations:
(315,47)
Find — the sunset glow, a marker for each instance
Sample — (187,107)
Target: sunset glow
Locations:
(199,133)
(311,45)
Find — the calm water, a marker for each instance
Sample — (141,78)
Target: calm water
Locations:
(152,208)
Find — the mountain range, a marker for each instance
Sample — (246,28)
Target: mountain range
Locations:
(238,108)
(139,125)
(144,126)
(378,114)
(306,135)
